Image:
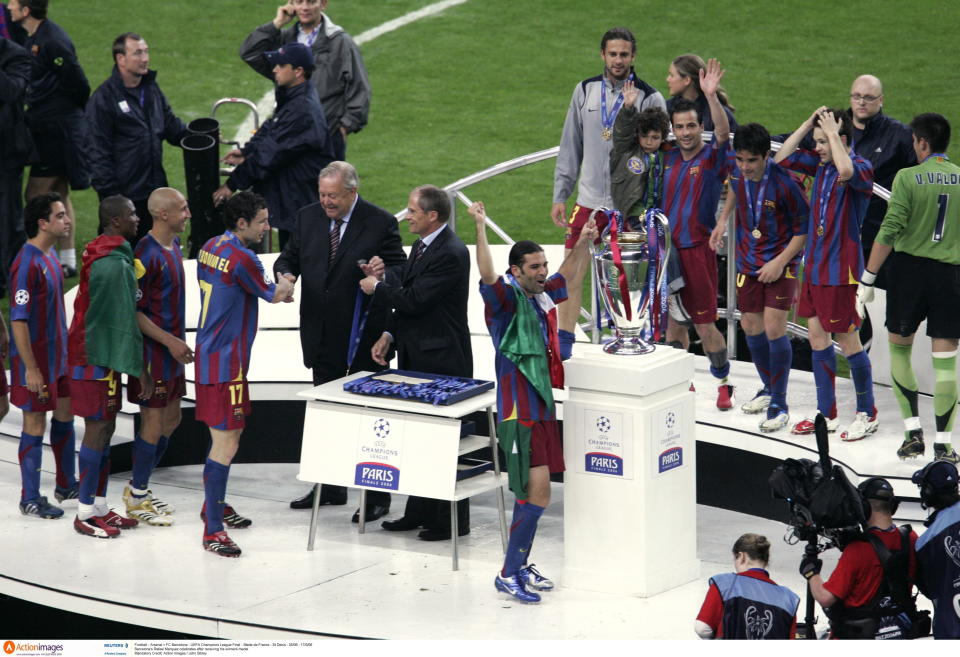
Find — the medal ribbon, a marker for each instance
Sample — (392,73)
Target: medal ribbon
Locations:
(607,120)
(941,155)
(654,167)
(617,256)
(823,193)
(356,329)
(756,210)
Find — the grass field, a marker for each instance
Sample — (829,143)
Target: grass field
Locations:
(489,80)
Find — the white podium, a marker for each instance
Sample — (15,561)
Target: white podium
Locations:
(629,492)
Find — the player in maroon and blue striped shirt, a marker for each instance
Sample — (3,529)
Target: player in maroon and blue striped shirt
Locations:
(693,176)
(160,315)
(833,263)
(38,355)
(232,281)
(770,233)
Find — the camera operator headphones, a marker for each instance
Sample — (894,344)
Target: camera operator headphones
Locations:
(877,488)
(935,477)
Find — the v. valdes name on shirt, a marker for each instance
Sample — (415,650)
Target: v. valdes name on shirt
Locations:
(937,178)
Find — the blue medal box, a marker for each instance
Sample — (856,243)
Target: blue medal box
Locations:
(422,387)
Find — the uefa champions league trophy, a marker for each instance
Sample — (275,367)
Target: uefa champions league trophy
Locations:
(630,265)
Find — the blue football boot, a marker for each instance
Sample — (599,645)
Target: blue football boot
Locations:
(514,586)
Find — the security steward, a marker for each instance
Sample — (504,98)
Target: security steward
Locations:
(938,550)
(873,581)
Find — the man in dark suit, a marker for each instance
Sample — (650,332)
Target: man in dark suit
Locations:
(349,228)
(428,327)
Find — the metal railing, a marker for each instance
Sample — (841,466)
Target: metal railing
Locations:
(455,191)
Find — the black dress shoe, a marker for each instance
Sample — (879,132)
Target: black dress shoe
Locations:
(373,512)
(441,534)
(403,524)
(329,495)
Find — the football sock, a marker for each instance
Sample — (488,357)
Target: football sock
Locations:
(144,458)
(104,475)
(945,392)
(781,359)
(905,384)
(760,348)
(862,374)
(31,455)
(68,257)
(824,373)
(215,492)
(84,511)
(566,344)
(89,474)
(63,442)
(719,364)
(161,449)
(525,519)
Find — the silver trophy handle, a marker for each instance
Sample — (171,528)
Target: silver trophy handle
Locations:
(668,242)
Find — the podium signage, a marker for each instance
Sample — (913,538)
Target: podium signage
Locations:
(379,452)
(604,450)
(667,444)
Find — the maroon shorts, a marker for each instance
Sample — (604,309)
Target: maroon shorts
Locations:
(164,392)
(96,399)
(699,293)
(753,296)
(31,402)
(578,219)
(223,406)
(545,446)
(835,306)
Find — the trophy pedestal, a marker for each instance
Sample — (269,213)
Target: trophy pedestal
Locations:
(629,492)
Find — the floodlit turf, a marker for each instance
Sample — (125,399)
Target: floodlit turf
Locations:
(489,80)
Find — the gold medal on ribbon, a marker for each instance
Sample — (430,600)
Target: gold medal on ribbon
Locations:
(820,231)
(606,134)
(756,233)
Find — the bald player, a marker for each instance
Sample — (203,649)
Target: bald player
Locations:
(160,316)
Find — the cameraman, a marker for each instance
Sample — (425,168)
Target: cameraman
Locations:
(858,591)
(938,550)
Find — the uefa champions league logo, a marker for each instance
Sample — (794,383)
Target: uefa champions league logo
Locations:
(671,420)
(139,294)
(22,297)
(381,429)
(603,424)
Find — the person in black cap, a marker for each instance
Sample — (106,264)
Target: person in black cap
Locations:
(284,158)
(858,589)
(938,550)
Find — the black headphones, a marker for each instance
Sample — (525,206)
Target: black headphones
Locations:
(877,488)
(922,479)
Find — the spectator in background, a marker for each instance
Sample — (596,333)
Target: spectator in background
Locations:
(683,81)
(56,96)
(15,146)
(340,78)
(128,119)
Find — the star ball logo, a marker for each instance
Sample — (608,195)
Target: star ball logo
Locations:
(381,429)
(671,420)
(603,424)
(22,297)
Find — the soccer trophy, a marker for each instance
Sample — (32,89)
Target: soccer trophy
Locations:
(630,265)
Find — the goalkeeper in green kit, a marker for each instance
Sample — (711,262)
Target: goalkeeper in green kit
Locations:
(921,236)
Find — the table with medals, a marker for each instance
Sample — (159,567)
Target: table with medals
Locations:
(395,436)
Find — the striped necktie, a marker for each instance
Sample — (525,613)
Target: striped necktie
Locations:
(334,239)
(418,250)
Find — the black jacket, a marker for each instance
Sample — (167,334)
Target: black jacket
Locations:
(328,292)
(888,145)
(285,156)
(127,128)
(15,143)
(58,85)
(429,301)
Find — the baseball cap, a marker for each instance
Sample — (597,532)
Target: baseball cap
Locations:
(295,54)
(941,476)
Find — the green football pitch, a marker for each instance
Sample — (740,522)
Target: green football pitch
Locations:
(488,80)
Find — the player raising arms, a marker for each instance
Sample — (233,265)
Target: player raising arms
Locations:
(771,231)
(231,279)
(833,262)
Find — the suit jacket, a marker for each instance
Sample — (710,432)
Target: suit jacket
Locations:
(328,294)
(429,301)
